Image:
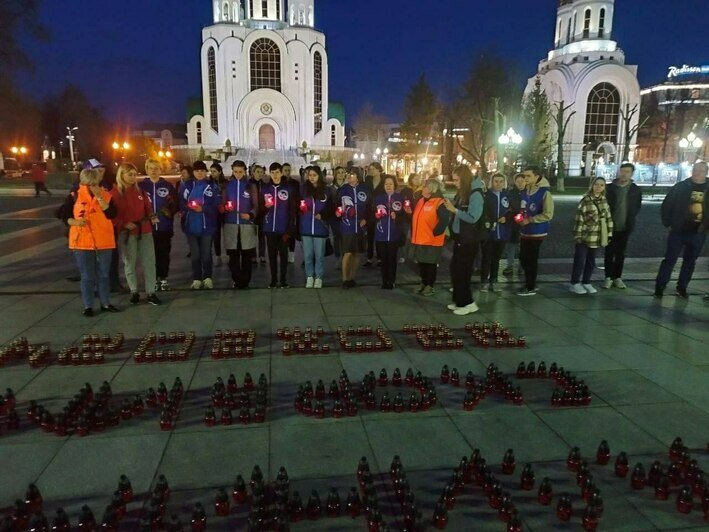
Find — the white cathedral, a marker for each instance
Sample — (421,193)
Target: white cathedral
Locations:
(587,69)
(265,80)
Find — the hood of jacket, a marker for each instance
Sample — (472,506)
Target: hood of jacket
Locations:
(542,183)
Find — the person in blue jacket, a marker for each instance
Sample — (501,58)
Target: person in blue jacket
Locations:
(498,202)
(315,211)
(240,207)
(163,197)
(388,230)
(353,207)
(199,204)
(279,204)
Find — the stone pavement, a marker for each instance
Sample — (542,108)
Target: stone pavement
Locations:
(645,362)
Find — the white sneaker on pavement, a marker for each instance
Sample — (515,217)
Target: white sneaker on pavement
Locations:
(318,283)
(468,309)
(208,284)
(590,289)
(309,282)
(196,285)
(577,289)
(608,283)
(618,283)
(452,306)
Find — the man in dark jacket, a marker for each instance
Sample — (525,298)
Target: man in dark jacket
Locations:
(625,200)
(684,213)
(375,181)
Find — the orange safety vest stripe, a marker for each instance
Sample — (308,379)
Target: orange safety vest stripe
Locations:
(98,232)
(425,221)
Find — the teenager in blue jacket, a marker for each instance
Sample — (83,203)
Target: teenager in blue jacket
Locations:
(388,230)
(498,202)
(163,198)
(279,204)
(315,211)
(240,208)
(199,204)
(353,208)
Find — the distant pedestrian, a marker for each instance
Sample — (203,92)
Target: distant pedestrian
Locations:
(625,200)
(537,207)
(37,175)
(592,226)
(683,211)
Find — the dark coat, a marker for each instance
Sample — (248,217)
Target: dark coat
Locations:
(635,202)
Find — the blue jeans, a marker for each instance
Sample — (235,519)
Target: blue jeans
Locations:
(584,263)
(314,252)
(201,255)
(692,244)
(95,269)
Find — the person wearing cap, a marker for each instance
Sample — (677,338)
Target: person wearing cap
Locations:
(240,208)
(134,220)
(88,212)
(199,205)
(163,197)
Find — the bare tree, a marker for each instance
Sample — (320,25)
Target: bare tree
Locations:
(368,124)
(561,119)
(629,132)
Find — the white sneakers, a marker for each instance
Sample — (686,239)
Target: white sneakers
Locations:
(589,289)
(196,285)
(577,289)
(464,311)
(309,282)
(608,283)
(618,283)
(208,284)
(318,283)
(452,306)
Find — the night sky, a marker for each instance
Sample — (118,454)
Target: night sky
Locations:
(138,59)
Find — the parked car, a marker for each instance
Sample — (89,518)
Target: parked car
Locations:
(10,168)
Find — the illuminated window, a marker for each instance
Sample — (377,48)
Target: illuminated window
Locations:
(317,89)
(602,23)
(602,114)
(265,65)
(587,24)
(212,77)
(198,127)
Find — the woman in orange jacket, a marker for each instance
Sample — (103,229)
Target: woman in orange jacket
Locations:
(134,220)
(88,212)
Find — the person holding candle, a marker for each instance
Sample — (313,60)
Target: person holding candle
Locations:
(354,203)
(514,194)
(315,210)
(89,211)
(279,204)
(430,218)
(339,177)
(537,211)
(374,180)
(133,222)
(498,204)
(163,197)
(592,227)
(240,207)
(199,204)
(390,217)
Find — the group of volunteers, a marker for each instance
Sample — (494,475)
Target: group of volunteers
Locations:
(251,215)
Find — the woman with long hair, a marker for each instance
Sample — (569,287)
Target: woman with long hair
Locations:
(88,212)
(592,227)
(339,178)
(134,224)
(354,203)
(216,174)
(430,217)
(315,210)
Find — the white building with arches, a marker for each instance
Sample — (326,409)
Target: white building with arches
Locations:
(586,69)
(264,80)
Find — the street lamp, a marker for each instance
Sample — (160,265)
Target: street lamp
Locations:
(691,143)
(72,138)
(511,141)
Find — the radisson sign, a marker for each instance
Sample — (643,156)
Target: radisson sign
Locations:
(687,70)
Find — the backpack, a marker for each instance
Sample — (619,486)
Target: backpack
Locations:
(480,230)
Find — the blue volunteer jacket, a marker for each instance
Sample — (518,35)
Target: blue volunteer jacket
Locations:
(311,226)
(206,194)
(163,197)
(356,206)
(499,205)
(280,216)
(243,196)
(388,230)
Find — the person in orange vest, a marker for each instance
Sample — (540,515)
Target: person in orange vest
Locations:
(430,217)
(88,212)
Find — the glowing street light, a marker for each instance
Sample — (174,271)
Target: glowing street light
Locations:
(691,143)
(511,138)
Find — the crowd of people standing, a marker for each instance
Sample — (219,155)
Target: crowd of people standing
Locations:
(254,217)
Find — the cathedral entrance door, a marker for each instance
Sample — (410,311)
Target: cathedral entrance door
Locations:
(266,137)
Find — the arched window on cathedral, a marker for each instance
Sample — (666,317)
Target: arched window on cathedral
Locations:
(333,135)
(225,12)
(317,90)
(586,24)
(265,65)
(212,79)
(198,127)
(573,29)
(602,114)
(602,23)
